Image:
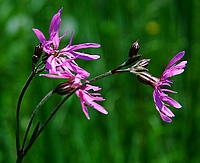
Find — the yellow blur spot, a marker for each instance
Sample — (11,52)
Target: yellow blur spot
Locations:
(152,28)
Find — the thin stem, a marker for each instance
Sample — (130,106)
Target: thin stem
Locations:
(33,115)
(18,110)
(27,83)
(130,61)
(20,158)
(46,122)
(100,77)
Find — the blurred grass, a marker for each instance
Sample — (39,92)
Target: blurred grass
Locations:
(133,130)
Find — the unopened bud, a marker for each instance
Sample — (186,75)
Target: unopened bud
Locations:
(146,78)
(134,49)
(64,88)
(140,66)
(133,54)
(37,53)
(143,62)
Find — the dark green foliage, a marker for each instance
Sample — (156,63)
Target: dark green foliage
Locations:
(133,130)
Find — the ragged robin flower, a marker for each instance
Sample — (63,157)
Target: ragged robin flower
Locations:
(161,98)
(87,94)
(64,59)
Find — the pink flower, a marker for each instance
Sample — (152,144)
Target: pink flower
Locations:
(161,99)
(88,99)
(87,94)
(63,68)
(64,59)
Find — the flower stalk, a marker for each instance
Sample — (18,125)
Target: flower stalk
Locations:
(18,111)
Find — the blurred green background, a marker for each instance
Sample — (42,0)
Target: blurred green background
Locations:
(133,131)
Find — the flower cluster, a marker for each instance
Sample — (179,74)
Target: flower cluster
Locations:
(61,63)
(161,99)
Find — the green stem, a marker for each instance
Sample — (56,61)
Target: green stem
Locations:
(18,111)
(33,115)
(20,153)
(20,158)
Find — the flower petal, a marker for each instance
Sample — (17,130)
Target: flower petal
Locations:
(89,100)
(94,88)
(165,118)
(175,59)
(84,108)
(157,100)
(171,102)
(85,45)
(84,56)
(98,107)
(39,35)
(174,70)
(55,24)
(168,90)
(69,65)
(167,112)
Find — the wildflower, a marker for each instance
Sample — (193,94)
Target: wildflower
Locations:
(86,98)
(58,60)
(161,98)
(62,67)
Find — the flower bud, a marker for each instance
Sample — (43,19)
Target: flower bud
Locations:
(140,66)
(133,54)
(134,49)
(143,62)
(37,53)
(64,88)
(146,78)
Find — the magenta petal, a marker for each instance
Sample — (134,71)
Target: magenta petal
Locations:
(84,108)
(173,73)
(88,99)
(171,102)
(56,41)
(157,100)
(160,95)
(181,65)
(39,35)
(64,76)
(94,88)
(174,70)
(168,90)
(175,59)
(97,97)
(83,73)
(167,112)
(165,118)
(85,45)
(98,107)
(84,56)
(55,24)
(64,34)
(70,40)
